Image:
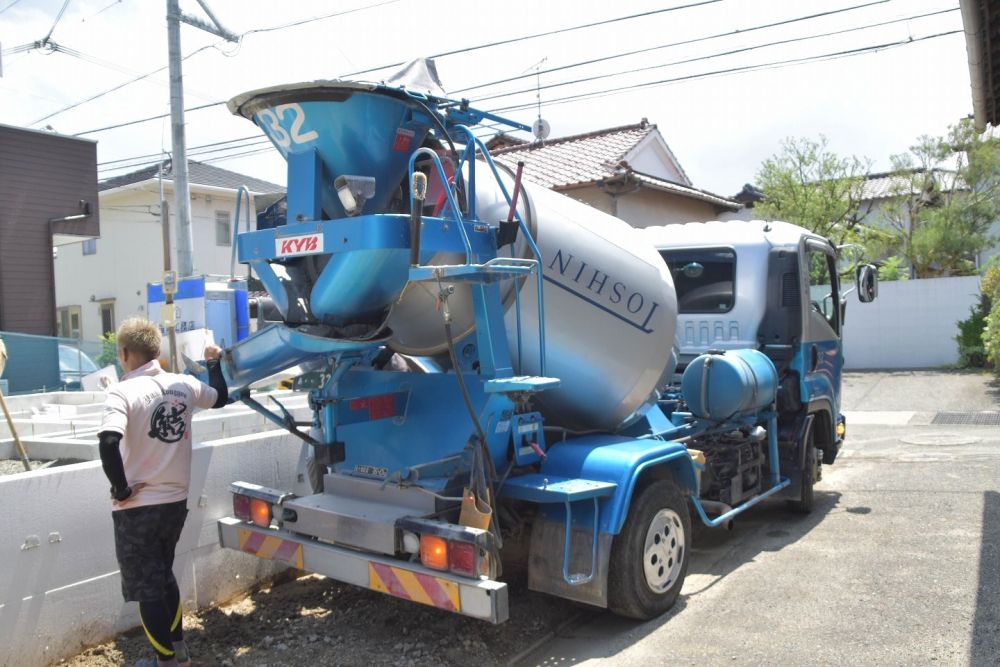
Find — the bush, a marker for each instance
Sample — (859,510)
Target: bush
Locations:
(971,336)
(109,351)
(892,268)
(991,332)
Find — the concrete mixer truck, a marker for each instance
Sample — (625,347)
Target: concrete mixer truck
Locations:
(497,369)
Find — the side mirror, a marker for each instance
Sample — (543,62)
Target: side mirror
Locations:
(866,278)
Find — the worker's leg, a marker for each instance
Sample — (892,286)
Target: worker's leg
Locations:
(173,599)
(172,594)
(156,622)
(142,535)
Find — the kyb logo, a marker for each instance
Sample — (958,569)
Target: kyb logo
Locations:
(299,245)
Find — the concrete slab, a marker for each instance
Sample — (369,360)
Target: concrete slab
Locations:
(921,391)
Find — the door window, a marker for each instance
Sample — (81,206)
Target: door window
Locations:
(824,301)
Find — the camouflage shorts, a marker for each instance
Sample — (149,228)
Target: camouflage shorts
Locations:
(145,539)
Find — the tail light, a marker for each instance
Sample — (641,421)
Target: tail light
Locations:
(434,552)
(254,503)
(241,507)
(448,547)
(260,512)
(462,558)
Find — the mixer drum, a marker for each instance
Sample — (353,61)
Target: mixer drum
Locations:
(610,310)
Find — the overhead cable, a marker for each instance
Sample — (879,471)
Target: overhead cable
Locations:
(540,34)
(711,56)
(685,42)
(733,70)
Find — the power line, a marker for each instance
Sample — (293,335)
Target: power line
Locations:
(720,54)
(734,70)
(215,46)
(673,44)
(146,119)
(99,12)
(193,148)
(9,6)
(542,34)
(56,22)
(601,93)
(439,55)
(118,87)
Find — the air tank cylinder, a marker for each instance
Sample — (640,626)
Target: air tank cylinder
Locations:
(721,385)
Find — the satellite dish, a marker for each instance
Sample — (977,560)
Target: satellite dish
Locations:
(541,129)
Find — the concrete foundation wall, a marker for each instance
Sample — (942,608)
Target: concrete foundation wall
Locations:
(59,585)
(912,324)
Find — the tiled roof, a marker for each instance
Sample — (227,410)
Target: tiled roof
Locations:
(893,184)
(685,191)
(581,159)
(586,159)
(199,173)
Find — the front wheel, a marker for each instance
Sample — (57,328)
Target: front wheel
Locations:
(649,558)
(810,475)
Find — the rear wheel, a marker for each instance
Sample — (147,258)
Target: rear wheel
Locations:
(649,558)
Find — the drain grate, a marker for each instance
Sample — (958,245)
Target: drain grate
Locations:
(988,418)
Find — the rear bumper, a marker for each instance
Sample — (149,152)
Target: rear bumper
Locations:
(482,599)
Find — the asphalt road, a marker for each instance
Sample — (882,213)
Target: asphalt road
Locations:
(899,564)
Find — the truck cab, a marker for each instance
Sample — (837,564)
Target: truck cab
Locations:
(774,287)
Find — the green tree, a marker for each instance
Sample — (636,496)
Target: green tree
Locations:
(942,201)
(807,184)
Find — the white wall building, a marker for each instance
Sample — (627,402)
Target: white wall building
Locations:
(102,281)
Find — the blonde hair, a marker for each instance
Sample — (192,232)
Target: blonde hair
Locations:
(140,337)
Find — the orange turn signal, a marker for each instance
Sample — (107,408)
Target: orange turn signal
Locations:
(260,512)
(434,552)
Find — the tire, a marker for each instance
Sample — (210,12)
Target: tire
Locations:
(649,557)
(807,496)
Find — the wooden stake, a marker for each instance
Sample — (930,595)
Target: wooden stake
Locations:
(17,440)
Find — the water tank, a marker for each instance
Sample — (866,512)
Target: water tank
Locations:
(720,385)
(610,309)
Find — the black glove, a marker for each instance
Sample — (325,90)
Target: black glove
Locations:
(121,494)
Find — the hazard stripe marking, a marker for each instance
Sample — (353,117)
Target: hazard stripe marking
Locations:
(414,586)
(445,597)
(250,541)
(270,547)
(289,552)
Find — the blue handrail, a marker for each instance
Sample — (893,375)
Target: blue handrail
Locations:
(531,244)
(456,212)
(242,192)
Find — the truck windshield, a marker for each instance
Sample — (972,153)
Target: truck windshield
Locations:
(704,278)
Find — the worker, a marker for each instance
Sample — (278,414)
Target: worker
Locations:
(145,446)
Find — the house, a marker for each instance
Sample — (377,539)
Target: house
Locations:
(982,42)
(102,281)
(48,197)
(882,199)
(629,172)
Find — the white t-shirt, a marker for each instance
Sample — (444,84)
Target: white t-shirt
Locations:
(152,411)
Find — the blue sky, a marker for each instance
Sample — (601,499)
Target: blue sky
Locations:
(720,127)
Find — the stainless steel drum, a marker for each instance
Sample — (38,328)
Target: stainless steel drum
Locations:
(610,309)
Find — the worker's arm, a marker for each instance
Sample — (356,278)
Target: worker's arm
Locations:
(218,382)
(111,461)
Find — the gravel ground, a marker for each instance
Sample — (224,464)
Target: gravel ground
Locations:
(14,466)
(313,620)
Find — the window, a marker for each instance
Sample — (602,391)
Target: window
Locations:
(703,278)
(108,317)
(89,246)
(823,299)
(69,322)
(223,229)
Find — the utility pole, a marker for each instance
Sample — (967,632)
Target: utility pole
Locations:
(182,196)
